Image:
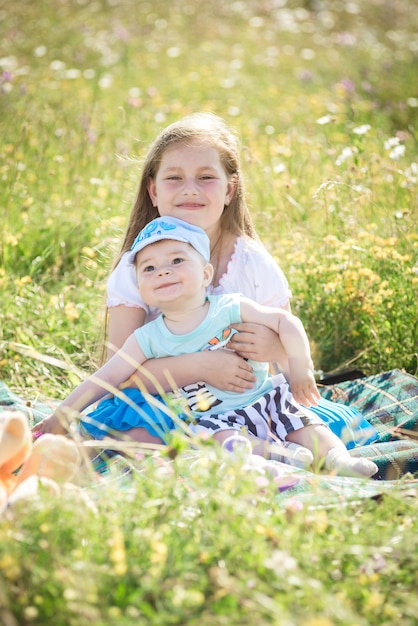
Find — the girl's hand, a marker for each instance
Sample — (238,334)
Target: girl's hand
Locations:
(227,371)
(51,425)
(257,342)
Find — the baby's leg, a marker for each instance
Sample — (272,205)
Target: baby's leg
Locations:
(294,454)
(293,423)
(223,435)
(327,447)
(252,424)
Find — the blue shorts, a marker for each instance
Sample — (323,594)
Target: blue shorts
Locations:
(132,410)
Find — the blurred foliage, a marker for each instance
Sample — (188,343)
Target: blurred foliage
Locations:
(206,542)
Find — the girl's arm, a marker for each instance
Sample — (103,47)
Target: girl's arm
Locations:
(220,368)
(123,320)
(295,341)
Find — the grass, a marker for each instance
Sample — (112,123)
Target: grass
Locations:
(323,96)
(207,546)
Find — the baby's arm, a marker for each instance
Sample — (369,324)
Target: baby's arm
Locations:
(118,369)
(295,341)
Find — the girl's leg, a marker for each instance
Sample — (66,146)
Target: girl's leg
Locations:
(328,448)
(141,435)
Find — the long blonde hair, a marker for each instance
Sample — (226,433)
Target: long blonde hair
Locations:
(208,129)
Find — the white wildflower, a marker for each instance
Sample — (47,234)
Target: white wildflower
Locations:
(391,143)
(345,154)
(106,81)
(173,52)
(326,119)
(279,168)
(40,51)
(397,152)
(362,130)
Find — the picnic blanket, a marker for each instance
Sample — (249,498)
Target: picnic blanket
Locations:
(389,401)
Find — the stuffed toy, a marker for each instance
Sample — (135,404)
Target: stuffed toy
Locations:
(51,460)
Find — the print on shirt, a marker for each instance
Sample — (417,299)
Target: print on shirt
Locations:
(198,397)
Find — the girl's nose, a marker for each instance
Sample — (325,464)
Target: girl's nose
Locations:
(190,186)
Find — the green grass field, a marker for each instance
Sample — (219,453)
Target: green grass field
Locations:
(324,97)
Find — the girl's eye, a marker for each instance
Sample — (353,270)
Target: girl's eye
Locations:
(149,268)
(177,260)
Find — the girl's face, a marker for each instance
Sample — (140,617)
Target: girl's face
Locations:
(191,184)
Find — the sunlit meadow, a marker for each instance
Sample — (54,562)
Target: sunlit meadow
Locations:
(324,98)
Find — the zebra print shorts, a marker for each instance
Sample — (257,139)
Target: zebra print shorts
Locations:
(272,417)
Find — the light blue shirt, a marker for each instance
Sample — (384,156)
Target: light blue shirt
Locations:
(213,333)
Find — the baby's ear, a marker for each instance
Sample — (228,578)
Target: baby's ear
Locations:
(208,272)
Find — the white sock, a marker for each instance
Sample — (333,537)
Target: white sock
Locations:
(291,453)
(340,462)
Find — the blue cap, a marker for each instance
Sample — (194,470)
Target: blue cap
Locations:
(171,228)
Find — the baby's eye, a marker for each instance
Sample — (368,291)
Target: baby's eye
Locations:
(177,260)
(149,268)
(207,177)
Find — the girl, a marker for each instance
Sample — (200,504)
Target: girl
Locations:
(192,172)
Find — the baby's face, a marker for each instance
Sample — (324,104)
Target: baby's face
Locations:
(170,270)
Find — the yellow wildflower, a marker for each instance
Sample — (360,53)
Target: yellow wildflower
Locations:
(159,551)
(88,252)
(118,553)
(71,312)
(375,601)
(10,239)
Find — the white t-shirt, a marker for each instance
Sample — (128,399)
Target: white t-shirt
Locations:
(251,271)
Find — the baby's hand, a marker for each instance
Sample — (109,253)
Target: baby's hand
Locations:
(303,386)
(51,424)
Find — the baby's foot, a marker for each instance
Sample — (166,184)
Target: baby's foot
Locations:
(340,462)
